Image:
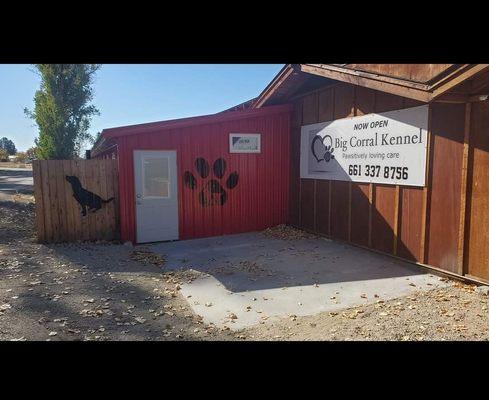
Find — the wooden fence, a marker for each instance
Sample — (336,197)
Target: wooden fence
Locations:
(59,216)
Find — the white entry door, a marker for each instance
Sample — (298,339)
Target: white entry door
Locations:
(155,174)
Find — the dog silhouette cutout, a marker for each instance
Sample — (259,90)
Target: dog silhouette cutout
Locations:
(87,200)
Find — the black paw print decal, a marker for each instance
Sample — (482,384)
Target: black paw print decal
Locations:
(213,192)
(322,148)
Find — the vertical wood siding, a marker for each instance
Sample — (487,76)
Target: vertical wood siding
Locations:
(477,234)
(58,214)
(420,225)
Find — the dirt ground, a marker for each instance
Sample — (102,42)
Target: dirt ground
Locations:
(455,313)
(106,291)
(9,164)
(80,291)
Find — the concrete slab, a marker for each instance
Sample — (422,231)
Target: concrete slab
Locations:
(259,278)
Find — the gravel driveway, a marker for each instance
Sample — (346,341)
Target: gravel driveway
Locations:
(87,291)
(15,181)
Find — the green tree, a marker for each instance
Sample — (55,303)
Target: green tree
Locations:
(63,109)
(8,146)
(31,153)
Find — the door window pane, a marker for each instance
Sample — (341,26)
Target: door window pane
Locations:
(156,177)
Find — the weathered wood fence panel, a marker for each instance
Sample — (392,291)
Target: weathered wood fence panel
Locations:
(59,216)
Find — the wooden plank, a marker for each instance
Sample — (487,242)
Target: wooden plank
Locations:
(326,105)
(360,209)
(294,172)
(104,215)
(339,210)
(68,200)
(425,215)
(468,73)
(362,194)
(349,210)
(54,200)
(387,87)
(421,73)
(48,226)
(384,207)
(395,86)
(344,101)
(452,98)
(385,102)
(94,186)
(322,207)
(479,83)
(447,134)
(397,214)
(410,221)
(70,168)
(38,195)
(343,74)
(364,101)
(383,218)
(371,202)
(111,207)
(477,234)
(115,174)
(315,205)
(65,231)
(310,109)
(463,191)
(81,167)
(307,204)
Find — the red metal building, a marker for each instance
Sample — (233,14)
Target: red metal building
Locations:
(220,189)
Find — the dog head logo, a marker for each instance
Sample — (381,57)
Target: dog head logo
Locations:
(322,148)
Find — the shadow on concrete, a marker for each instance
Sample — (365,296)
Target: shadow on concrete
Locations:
(253,261)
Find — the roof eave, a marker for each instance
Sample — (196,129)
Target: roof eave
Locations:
(111,133)
(400,87)
(435,90)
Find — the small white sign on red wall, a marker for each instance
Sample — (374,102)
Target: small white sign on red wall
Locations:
(244,143)
(387,148)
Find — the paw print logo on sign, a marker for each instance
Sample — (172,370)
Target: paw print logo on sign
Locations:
(212,191)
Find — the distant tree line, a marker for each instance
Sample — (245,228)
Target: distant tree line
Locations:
(7,148)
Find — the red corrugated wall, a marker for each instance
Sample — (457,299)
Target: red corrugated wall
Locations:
(259,200)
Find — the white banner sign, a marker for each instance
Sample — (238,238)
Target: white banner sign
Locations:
(388,148)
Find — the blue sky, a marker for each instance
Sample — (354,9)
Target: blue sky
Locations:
(133,94)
